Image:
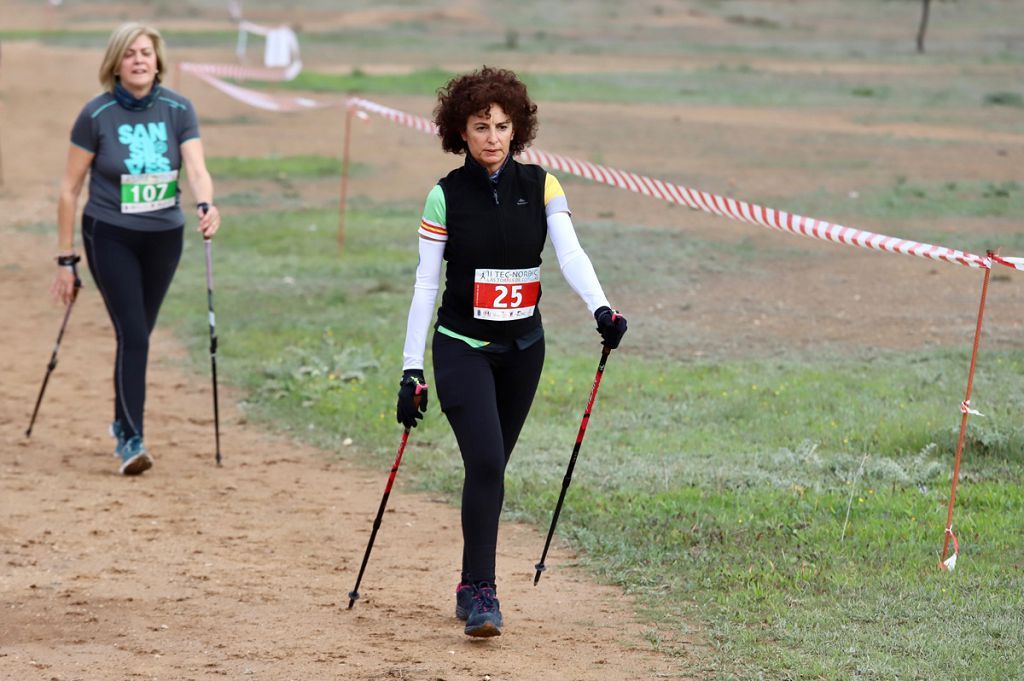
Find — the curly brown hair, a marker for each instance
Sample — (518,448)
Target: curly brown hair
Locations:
(473,93)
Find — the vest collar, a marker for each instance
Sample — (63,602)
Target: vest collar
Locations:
(479,173)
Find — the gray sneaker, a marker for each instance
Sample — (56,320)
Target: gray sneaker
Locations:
(484,616)
(134,457)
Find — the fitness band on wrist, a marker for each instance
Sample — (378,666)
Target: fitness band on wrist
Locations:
(68,260)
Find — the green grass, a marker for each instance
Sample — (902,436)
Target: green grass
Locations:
(723,84)
(273,167)
(715,492)
(418,82)
(904,200)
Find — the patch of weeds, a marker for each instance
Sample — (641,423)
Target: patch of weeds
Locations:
(1013,99)
(753,22)
(1000,190)
(870,92)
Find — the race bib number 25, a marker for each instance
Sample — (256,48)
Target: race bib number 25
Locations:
(147,192)
(504,295)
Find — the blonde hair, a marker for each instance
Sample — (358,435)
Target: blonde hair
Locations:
(120,40)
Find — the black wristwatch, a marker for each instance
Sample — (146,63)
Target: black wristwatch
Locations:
(203,206)
(68,260)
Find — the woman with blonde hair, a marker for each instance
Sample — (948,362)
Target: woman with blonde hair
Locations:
(131,140)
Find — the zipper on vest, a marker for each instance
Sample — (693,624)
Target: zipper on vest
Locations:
(501,227)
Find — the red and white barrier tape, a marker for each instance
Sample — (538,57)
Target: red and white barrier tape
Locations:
(262,100)
(693,198)
(236,71)
(965,408)
(1015,263)
(710,203)
(410,121)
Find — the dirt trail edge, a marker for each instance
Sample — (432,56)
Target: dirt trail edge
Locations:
(195,572)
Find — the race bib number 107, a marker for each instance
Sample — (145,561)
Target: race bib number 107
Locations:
(147,192)
(504,295)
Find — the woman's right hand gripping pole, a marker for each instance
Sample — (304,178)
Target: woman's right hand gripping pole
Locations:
(412,397)
(611,325)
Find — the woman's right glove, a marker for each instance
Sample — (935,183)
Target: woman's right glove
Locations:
(412,397)
(611,325)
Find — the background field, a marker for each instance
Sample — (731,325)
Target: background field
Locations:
(768,466)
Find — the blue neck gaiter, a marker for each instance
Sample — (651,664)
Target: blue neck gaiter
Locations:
(130,102)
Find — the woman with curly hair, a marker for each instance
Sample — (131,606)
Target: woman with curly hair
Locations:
(489,219)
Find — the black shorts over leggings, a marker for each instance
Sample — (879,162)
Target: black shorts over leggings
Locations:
(486,396)
(132,271)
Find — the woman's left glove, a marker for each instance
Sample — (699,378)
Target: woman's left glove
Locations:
(611,325)
(412,397)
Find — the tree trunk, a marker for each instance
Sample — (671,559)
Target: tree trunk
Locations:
(925,4)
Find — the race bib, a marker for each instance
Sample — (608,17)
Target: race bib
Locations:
(146,192)
(504,295)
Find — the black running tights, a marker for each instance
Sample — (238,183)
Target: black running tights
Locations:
(132,270)
(486,397)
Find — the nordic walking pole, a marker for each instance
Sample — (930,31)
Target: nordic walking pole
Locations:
(56,347)
(213,341)
(353,595)
(605,350)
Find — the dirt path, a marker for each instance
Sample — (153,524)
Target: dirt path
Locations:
(195,572)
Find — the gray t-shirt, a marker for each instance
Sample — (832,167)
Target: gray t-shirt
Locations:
(134,176)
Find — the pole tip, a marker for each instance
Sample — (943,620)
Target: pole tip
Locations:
(353,596)
(540,568)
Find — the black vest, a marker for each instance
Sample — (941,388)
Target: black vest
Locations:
(500,227)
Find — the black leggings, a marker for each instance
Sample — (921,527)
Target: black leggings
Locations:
(133,271)
(486,397)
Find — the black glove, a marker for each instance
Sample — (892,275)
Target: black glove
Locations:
(412,397)
(611,325)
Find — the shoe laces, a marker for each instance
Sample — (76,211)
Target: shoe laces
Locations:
(486,598)
(133,446)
